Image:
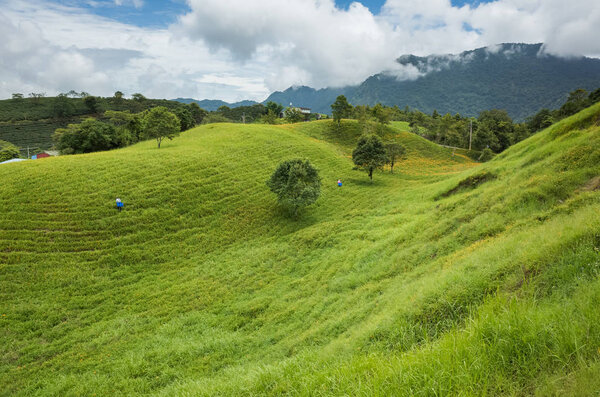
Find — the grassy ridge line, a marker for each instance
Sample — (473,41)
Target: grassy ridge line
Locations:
(166,298)
(422,156)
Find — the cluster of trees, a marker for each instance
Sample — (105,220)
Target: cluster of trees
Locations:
(493,130)
(577,101)
(372,153)
(297,183)
(270,113)
(71,104)
(123,128)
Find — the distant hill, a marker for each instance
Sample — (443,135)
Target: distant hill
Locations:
(30,122)
(519,78)
(213,104)
(316,100)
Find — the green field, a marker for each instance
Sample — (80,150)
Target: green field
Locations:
(447,277)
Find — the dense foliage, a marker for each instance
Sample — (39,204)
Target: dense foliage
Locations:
(8,151)
(90,135)
(296,184)
(242,114)
(31,121)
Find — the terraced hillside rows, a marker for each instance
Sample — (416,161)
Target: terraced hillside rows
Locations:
(445,278)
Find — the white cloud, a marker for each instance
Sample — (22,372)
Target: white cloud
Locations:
(135,3)
(311,39)
(243,49)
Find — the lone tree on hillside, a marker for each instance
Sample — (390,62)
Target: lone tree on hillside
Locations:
(394,151)
(369,154)
(340,109)
(296,184)
(8,151)
(159,123)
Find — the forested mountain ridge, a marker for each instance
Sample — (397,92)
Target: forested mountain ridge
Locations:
(214,104)
(520,78)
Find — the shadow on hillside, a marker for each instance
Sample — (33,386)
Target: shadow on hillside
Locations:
(365,181)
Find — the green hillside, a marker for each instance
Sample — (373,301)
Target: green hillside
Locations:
(444,278)
(32,121)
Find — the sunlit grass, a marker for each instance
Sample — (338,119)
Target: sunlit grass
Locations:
(203,286)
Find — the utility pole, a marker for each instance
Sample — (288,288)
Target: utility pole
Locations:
(28,152)
(470,133)
(244,118)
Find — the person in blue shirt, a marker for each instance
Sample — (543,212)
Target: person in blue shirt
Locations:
(339,182)
(119,205)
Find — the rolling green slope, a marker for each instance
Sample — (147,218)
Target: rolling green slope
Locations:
(447,277)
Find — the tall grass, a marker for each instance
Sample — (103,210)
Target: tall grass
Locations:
(202,285)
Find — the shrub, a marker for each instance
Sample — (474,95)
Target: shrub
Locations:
(8,151)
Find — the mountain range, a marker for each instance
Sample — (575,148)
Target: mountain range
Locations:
(520,78)
(213,104)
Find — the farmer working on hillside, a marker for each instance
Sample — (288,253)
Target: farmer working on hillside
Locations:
(119,205)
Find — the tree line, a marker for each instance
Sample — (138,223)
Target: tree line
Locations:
(492,129)
(122,128)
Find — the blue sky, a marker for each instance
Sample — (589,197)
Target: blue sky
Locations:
(162,13)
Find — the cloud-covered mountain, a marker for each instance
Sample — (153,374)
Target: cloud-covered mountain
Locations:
(521,78)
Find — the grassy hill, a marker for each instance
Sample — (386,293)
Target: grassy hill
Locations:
(445,278)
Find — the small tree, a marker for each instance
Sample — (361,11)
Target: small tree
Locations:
(340,109)
(394,151)
(17,95)
(296,184)
(382,114)
(8,151)
(369,154)
(159,123)
(138,97)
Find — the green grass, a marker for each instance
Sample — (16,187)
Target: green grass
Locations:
(202,285)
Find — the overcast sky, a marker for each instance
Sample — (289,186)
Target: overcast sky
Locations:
(245,49)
